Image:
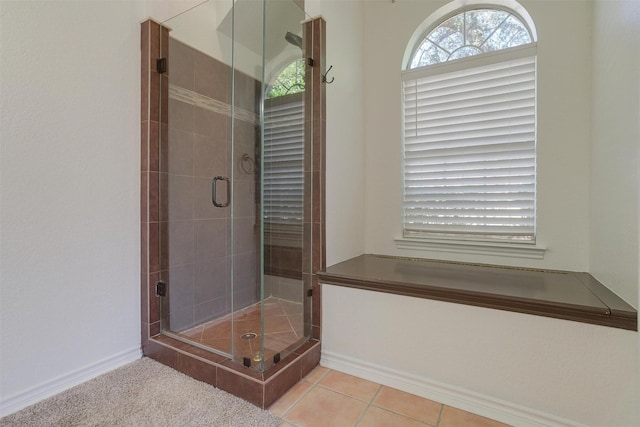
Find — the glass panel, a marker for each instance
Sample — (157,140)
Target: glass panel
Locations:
(470,33)
(481,24)
(245,165)
(233,180)
(450,34)
(283,189)
(510,33)
(196,173)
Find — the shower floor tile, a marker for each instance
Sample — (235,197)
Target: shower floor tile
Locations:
(283,329)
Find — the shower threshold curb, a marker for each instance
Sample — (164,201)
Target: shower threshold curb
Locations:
(259,388)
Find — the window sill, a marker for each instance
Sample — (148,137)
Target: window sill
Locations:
(559,294)
(516,250)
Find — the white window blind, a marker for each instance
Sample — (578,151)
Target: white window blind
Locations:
(284,168)
(469,148)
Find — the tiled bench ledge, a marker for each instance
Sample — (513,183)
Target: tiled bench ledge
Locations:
(559,294)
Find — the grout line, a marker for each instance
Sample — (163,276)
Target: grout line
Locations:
(293,329)
(402,414)
(319,379)
(440,415)
(324,376)
(286,411)
(405,415)
(368,405)
(342,393)
(375,395)
(311,387)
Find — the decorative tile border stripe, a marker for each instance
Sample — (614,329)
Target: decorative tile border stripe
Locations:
(199,100)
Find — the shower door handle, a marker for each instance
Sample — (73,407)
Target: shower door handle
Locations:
(214,185)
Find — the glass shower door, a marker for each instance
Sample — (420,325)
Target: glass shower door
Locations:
(233,181)
(267,152)
(245,164)
(196,181)
(285,186)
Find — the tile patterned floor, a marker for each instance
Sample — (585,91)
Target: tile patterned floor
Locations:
(327,398)
(283,329)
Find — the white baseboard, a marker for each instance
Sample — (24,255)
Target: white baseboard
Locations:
(49,388)
(487,406)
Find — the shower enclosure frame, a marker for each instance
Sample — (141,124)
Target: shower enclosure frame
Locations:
(260,388)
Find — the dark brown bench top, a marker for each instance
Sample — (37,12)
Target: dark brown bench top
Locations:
(559,294)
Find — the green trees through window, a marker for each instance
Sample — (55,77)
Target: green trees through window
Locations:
(289,81)
(471,33)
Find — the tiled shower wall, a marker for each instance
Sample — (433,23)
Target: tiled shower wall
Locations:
(198,149)
(314,260)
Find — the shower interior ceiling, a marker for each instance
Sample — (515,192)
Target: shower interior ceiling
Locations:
(248,16)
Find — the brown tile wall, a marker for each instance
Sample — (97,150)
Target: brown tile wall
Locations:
(315,171)
(283,261)
(160,236)
(198,149)
(284,288)
(152,122)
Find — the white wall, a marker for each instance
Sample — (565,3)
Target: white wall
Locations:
(161,10)
(563,130)
(345,127)
(70,200)
(520,369)
(615,147)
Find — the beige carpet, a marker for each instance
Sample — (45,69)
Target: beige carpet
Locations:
(142,393)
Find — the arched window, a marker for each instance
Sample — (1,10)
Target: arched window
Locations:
(289,81)
(283,159)
(471,33)
(469,137)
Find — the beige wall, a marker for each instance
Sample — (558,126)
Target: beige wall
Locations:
(346,145)
(520,369)
(615,147)
(70,135)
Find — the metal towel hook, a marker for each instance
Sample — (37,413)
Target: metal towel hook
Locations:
(246,163)
(324,76)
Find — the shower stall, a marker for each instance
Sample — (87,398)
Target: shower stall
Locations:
(233,191)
